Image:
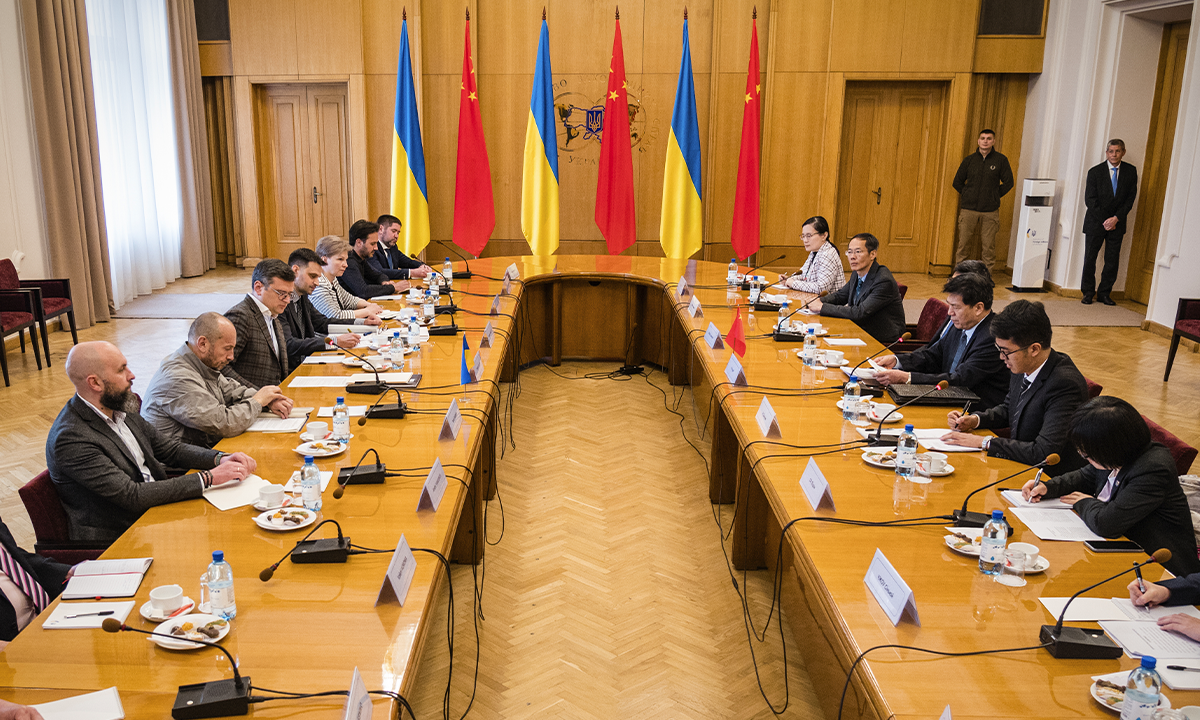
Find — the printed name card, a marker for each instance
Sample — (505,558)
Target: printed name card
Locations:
(489,335)
(400,573)
(358,702)
(768,424)
(477,368)
(511,272)
(435,487)
(815,487)
(694,308)
(893,594)
(946,714)
(712,337)
(506,288)
(451,423)
(495,306)
(734,372)
(681,288)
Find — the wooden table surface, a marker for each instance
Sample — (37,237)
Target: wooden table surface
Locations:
(310,625)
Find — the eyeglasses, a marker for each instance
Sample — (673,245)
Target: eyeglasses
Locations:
(855,253)
(1004,354)
(282,294)
(1082,454)
(810,236)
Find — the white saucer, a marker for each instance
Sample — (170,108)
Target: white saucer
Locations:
(148,612)
(288,501)
(305,437)
(949,469)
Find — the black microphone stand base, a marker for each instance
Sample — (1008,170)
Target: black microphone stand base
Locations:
(971,519)
(219,698)
(1082,643)
(787,336)
(366,388)
(393,411)
(461,275)
(881,440)
(363,474)
(325,550)
(444,330)
(445,309)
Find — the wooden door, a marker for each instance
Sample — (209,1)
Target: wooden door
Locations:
(303,165)
(890,164)
(1143,250)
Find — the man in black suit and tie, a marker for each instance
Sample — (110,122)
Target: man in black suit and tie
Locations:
(1109,194)
(260,357)
(305,330)
(388,259)
(1043,393)
(360,278)
(965,355)
(28,583)
(871,298)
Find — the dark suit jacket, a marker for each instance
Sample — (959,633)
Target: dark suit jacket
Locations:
(879,309)
(1037,421)
(363,280)
(50,575)
(1147,506)
(1102,203)
(304,329)
(1185,590)
(981,368)
(257,362)
(392,263)
(102,489)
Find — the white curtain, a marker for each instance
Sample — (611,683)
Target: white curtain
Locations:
(139,164)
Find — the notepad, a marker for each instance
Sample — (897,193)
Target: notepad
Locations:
(1055,524)
(273,424)
(317,381)
(845,342)
(82,615)
(1016,499)
(106,578)
(235,494)
(323,359)
(99,705)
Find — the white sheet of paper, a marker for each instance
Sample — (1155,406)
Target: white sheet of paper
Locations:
(1146,638)
(99,705)
(58,619)
(1055,525)
(1014,498)
(274,424)
(319,381)
(1132,612)
(355,411)
(863,372)
(235,495)
(845,342)
(291,485)
(323,360)
(939,446)
(387,377)
(1084,609)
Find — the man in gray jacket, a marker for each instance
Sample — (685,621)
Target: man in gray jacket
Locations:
(191,401)
(107,462)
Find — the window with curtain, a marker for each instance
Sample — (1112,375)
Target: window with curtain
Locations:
(139,165)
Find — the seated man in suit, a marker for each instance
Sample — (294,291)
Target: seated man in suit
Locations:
(966,355)
(1130,485)
(1044,391)
(190,401)
(871,297)
(305,330)
(388,259)
(28,583)
(360,277)
(107,462)
(260,357)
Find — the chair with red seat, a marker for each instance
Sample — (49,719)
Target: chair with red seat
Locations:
(50,525)
(903,289)
(1094,389)
(53,299)
(1183,453)
(1187,325)
(925,330)
(18,313)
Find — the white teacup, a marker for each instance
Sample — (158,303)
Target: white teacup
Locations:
(270,496)
(1031,553)
(931,462)
(166,598)
(880,410)
(317,430)
(834,357)
(817,328)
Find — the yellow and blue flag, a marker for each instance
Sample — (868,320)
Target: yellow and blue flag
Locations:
(410,199)
(539,183)
(682,225)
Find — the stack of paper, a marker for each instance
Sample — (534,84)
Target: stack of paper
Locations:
(99,705)
(86,615)
(845,342)
(1147,638)
(1050,524)
(1016,499)
(235,494)
(267,423)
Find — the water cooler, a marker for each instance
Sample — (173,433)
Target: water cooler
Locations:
(1033,235)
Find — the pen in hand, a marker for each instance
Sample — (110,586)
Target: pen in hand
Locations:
(1141,583)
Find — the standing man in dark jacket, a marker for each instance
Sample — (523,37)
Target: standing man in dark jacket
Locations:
(982,179)
(871,297)
(361,278)
(1109,194)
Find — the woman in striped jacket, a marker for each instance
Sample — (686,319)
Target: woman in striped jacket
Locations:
(329,297)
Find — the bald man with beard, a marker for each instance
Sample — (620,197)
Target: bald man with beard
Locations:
(108,463)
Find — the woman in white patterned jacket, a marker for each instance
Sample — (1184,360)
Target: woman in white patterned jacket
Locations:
(822,272)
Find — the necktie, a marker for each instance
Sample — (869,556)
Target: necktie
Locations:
(1106,493)
(37,596)
(857,286)
(963,342)
(1114,180)
(387,258)
(1024,386)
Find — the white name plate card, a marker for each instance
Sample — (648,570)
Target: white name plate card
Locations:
(712,337)
(400,573)
(495,310)
(435,487)
(477,368)
(489,335)
(893,594)
(768,423)
(451,423)
(506,288)
(358,702)
(734,372)
(694,308)
(681,288)
(946,714)
(815,487)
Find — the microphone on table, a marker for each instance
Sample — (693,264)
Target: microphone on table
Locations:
(218,698)
(394,411)
(459,274)
(324,550)
(746,279)
(779,333)
(882,350)
(366,387)
(963,518)
(1092,644)
(360,474)
(878,440)
(444,309)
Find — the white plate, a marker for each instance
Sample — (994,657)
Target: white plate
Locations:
(147,610)
(968,550)
(949,469)
(825,363)
(893,418)
(870,457)
(1163,702)
(1042,566)
(264,522)
(839,405)
(322,451)
(197,619)
(307,438)
(288,502)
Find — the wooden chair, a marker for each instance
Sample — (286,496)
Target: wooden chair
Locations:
(50,525)
(903,290)
(1094,389)
(53,299)
(1183,453)
(1187,325)
(926,327)
(18,313)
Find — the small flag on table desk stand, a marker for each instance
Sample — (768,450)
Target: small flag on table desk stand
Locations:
(464,373)
(737,335)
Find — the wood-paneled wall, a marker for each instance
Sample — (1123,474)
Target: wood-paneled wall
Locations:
(809,50)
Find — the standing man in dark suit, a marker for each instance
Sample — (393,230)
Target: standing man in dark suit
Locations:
(965,355)
(305,330)
(388,259)
(871,297)
(1109,194)
(28,583)
(107,462)
(260,357)
(982,179)
(361,278)
(1043,393)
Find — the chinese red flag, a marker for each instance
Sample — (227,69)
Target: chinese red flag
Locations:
(737,335)
(745,199)
(614,188)
(474,209)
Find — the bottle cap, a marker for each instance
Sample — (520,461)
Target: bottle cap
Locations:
(1149,662)
(732,259)
(447,259)
(853,378)
(308,459)
(219,556)
(396,334)
(341,399)
(997,514)
(908,427)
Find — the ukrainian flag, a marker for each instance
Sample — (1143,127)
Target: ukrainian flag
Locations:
(681,229)
(539,183)
(410,200)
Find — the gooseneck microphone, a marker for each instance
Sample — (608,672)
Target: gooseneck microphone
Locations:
(1092,644)
(963,518)
(459,274)
(364,387)
(395,411)
(360,474)
(780,334)
(882,350)
(324,550)
(218,698)
(746,275)
(878,440)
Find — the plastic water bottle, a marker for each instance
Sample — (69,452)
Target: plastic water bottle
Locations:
(428,309)
(991,548)
(784,313)
(731,278)
(435,288)
(810,347)
(851,393)
(341,421)
(310,484)
(448,273)
(397,347)
(414,332)
(1141,691)
(219,581)
(906,454)
(755,290)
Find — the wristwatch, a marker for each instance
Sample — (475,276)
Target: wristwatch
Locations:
(987,441)
(220,456)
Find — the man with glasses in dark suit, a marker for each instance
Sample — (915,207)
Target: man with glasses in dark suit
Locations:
(871,297)
(260,357)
